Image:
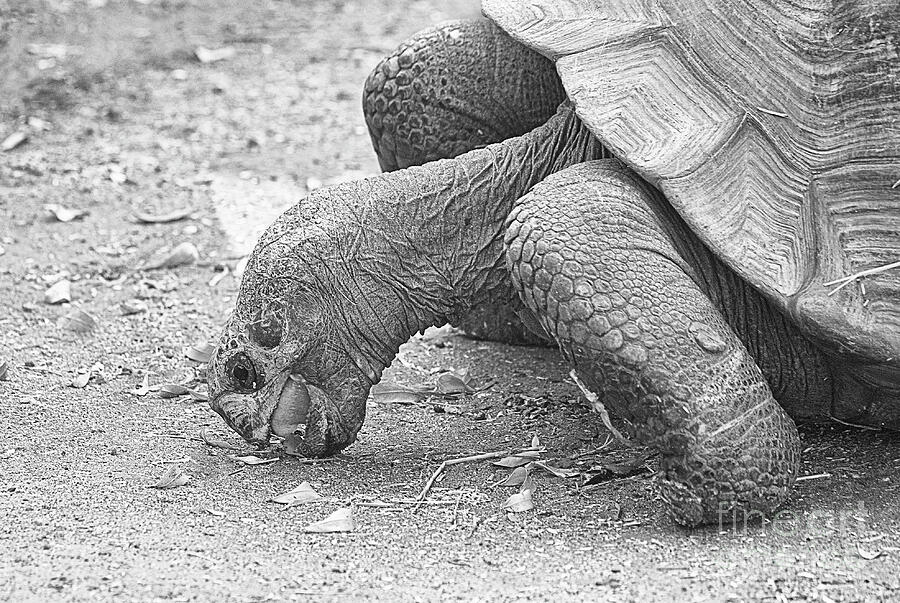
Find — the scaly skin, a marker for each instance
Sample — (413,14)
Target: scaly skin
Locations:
(346,276)
(454,88)
(594,253)
(451,89)
(648,316)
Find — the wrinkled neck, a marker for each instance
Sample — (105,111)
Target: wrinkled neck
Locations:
(421,246)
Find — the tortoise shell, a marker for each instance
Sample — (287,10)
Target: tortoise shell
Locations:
(772,127)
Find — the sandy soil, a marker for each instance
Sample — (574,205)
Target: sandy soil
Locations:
(122,118)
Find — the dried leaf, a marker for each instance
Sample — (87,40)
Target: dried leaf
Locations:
(304,493)
(144,389)
(535,441)
(450,383)
(199,396)
(519,503)
(132,306)
(518,459)
(172,216)
(516,478)
(388,393)
(78,321)
(254,460)
(173,390)
(13,140)
(183,254)
(339,521)
(608,470)
(172,478)
(213,441)
(867,555)
(81,380)
(65,214)
(59,293)
(4,370)
(200,353)
(557,471)
(212,55)
(528,484)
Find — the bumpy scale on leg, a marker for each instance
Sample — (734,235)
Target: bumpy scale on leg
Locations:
(449,90)
(454,88)
(591,252)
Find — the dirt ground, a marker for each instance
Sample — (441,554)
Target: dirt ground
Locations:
(122,118)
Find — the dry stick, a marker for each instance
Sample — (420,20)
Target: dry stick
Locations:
(856,425)
(469,459)
(846,280)
(597,405)
(804,478)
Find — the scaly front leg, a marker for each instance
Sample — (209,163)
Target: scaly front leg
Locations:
(591,251)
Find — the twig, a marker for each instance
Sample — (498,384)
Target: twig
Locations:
(621,480)
(598,407)
(846,280)
(469,459)
(456,509)
(199,556)
(856,425)
(804,478)
(308,461)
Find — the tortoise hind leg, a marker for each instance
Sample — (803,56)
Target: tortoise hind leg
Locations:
(449,90)
(591,252)
(454,88)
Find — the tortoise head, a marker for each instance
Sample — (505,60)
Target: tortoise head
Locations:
(286,362)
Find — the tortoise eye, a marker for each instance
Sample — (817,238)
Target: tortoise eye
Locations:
(242,372)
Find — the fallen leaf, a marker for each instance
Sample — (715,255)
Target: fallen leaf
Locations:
(515,478)
(528,484)
(199,396)
(518,459)
(13,140)
(339,521)
(213,441)
(535,441)
(866,554)
(172,478)
(389,393)
(182,255)
(4,370)
(450,383)
(519,503)
(212,55)
(64,214)
(144,389)
(172,216)
(78,321)
(608,470)
(81,380)
(303,493)
(132,306)
(59,293)
(200,353)
(557,471)
(254,460)
(173,390)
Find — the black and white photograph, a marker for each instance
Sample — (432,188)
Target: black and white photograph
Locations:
(450,300)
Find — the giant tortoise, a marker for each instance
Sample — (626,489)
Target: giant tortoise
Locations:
(696,200)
